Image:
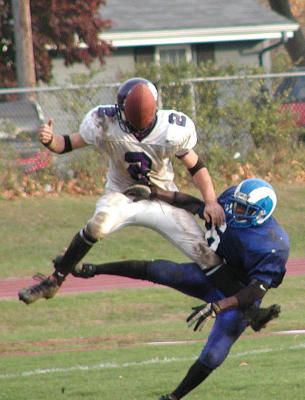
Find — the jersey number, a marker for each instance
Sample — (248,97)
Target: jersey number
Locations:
(177,119)
(212,236)
(140,166)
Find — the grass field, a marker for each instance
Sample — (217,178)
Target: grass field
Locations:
(34,230)
(107,346)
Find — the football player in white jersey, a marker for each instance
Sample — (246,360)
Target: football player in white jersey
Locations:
(140,141)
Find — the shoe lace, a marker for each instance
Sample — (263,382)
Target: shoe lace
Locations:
(39,277)
(44,282)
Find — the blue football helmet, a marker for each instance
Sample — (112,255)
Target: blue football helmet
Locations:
(252,203)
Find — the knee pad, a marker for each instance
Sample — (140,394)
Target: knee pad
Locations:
(95,226)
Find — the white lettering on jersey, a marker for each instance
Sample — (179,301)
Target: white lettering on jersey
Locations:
(213,237)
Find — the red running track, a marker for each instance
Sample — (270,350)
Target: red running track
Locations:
(9,287)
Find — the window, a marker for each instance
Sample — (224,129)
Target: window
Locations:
(173,54)
(204,52)
(144,54)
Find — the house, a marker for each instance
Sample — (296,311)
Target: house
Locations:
(194,30)
(239,31)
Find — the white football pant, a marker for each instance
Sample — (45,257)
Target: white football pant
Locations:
(114,211)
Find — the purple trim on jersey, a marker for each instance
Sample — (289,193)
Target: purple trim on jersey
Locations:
(143,134)
(105,111)
(182,155)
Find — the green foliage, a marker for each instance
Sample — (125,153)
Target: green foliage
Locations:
(272,127)
(81,95)
(43,173)
(232,116)
(243,130)
(88,168)
(9,127)
(55,24)
(10,174)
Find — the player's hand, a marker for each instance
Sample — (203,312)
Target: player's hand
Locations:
(202,314)
(45,133)
(139,192)
(214,211)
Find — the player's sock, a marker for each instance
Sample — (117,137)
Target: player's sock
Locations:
(196,374)
(136,269)
(78,248)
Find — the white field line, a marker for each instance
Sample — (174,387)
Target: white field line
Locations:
(137,364)
(291,332)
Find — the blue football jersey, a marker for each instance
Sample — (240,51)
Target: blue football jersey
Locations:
(259,252)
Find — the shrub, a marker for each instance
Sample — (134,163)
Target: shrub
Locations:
(241,133)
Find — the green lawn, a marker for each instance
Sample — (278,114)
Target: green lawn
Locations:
(34,230)
(265,368)
(97,346)
(107,346)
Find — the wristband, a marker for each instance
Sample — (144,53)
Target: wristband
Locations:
(153,193)
(217,308)
(247,296)
(49,142)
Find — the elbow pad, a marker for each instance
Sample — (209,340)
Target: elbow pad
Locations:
(199,165)
(256,290)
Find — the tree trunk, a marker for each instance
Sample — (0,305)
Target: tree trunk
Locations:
(296,45)
(24,43)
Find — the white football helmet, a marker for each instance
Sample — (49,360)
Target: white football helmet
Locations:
(252,203)
(129,125)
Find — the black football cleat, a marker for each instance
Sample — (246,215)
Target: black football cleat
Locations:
(45,289)
(83,270)
(258,318)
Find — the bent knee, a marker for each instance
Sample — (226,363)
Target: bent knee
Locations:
(96,226)
(214,357)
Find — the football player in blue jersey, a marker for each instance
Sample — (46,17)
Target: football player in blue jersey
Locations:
(254,249)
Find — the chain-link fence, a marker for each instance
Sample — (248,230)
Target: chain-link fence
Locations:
(224,108)
(234,115)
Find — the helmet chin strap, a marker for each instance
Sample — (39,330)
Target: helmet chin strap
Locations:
(128,128)
(144,132)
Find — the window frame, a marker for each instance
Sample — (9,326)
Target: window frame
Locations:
(186,47)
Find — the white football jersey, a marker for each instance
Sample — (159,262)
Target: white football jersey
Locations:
(133,160)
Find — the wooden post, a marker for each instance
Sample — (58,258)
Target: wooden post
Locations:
(26,76)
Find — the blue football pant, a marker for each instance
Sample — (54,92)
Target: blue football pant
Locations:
(189,279)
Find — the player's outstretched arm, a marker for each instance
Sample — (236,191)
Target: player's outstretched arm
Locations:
(243,299)
(203,181)
(59,143)
(176,199)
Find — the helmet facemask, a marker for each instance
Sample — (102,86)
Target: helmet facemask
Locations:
(243,215)
(147,109)
(124,124)
(252,203)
